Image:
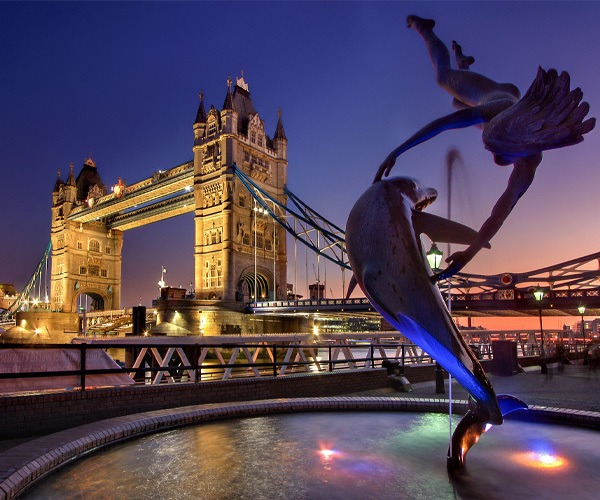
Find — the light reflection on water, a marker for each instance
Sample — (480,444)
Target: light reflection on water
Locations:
(332,455)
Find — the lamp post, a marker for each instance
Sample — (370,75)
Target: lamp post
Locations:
(581,310)
(539,296)
(434,258)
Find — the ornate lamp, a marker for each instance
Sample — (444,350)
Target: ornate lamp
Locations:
(434,257)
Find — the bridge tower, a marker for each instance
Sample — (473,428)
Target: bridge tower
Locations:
(240,252)
(86,257)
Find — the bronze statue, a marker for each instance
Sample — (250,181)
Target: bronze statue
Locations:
(515,130)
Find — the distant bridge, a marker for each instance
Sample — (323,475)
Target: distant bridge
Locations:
(566,286)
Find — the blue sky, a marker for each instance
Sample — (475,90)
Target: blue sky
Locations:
(121,81)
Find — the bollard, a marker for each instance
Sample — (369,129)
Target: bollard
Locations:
(439,379)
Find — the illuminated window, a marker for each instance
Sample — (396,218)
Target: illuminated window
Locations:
(213,276)
(212,128)
(258,240)
(94,246)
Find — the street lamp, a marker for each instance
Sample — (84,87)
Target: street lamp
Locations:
(434,258)
(581,310)
(161,283)
(538,294)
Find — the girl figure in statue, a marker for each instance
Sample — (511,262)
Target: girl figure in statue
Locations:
(515,130)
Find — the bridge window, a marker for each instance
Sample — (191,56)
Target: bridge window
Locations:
(94,246)
(260,141)
(268,244)
(94,270)
(258,240)
(104,273)
(79,245)
(212,128)
(246,156)
(245,238)
(107,250)
(253,137)
(82,270)
(242,200)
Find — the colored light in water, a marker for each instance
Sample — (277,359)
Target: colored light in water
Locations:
(540,460)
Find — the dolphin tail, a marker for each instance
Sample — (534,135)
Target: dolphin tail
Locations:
(508,404)
(472,426)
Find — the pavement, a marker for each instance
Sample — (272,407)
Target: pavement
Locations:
(576,388)
(570,397)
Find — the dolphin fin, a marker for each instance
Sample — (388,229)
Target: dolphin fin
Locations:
(443,230)
(351,286)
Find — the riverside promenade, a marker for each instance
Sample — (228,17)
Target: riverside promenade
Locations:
(571,398)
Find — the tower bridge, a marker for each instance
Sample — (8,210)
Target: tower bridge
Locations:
(236,185)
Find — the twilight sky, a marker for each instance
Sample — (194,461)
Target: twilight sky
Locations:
(121,81)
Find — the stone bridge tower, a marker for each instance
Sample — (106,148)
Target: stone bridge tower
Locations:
(86,258)
(240,253)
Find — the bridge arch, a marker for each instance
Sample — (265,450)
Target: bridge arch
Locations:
(262,281)
(99,299)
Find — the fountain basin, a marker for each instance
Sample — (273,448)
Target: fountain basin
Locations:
(389,454)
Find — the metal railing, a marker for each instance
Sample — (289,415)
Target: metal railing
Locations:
(187,362)
(168,361)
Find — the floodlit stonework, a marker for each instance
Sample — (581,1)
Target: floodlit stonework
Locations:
(230,232)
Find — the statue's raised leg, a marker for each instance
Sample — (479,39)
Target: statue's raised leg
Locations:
(468,87)
(462,61)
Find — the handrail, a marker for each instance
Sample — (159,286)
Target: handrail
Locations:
(187,362)
(276,359)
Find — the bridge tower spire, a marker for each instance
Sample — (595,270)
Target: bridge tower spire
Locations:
(240,253)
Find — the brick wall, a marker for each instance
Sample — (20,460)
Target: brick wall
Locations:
(34,414)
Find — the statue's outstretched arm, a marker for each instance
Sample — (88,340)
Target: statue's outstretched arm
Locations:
(459,119)
(519,181)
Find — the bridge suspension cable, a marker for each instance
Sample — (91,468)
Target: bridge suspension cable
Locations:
(35,280)
(302,222)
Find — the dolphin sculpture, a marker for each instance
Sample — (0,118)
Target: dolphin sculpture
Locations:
(387,259)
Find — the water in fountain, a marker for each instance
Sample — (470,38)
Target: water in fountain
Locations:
(335,455)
